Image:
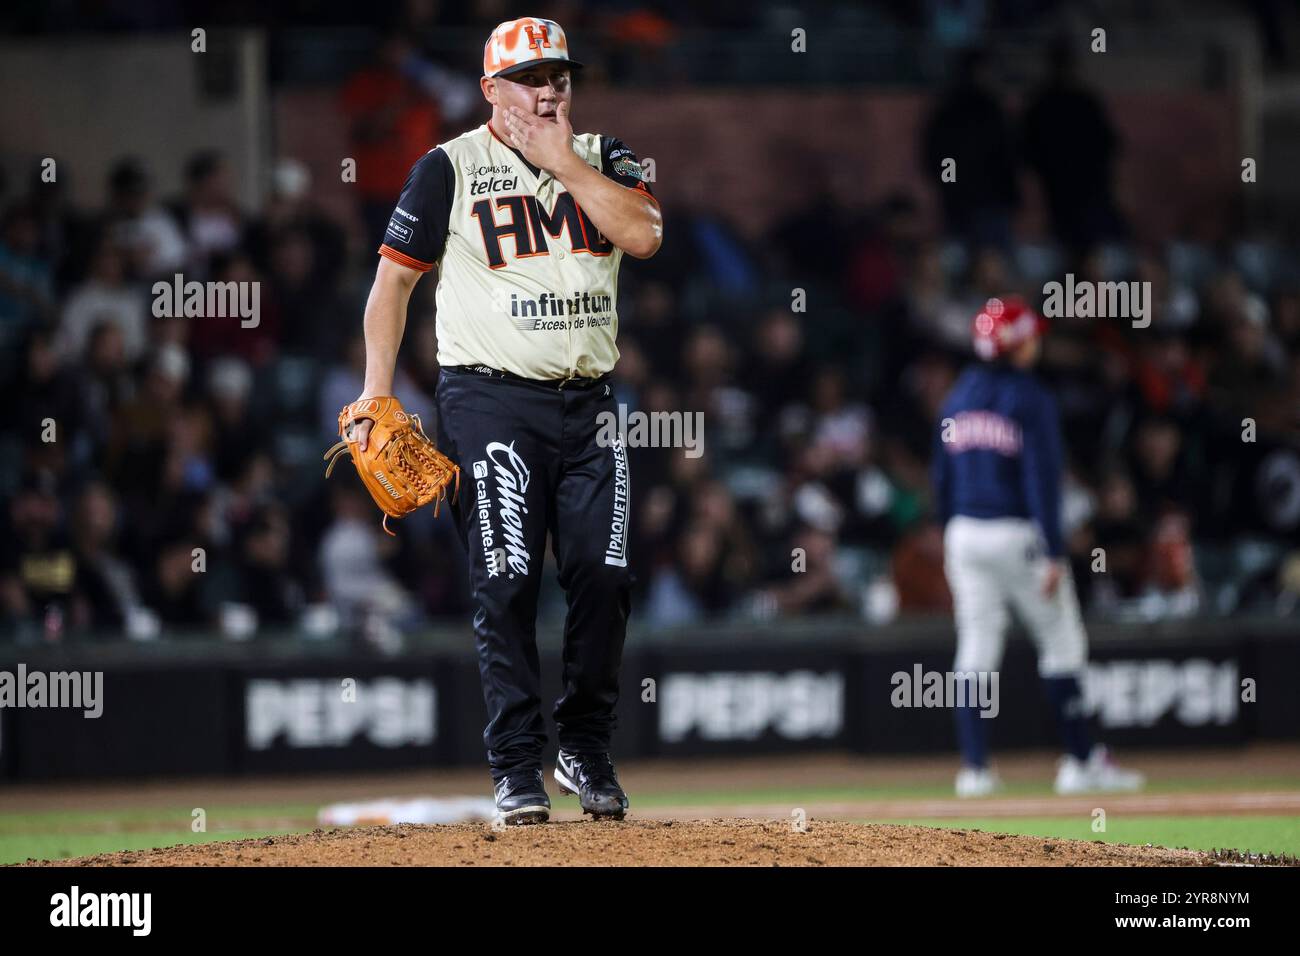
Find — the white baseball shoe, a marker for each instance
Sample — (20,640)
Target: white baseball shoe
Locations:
(1097,774)
(977,782)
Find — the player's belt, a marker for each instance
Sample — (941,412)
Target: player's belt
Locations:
(555,383)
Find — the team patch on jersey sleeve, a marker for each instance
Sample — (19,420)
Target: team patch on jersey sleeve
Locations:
(629,167)
(620,164)
(398,231)
(418,226)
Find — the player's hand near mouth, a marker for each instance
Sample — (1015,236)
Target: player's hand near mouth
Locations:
(531,113)
(624,216)
(545,138)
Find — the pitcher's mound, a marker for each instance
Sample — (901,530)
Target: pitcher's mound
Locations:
(653,843)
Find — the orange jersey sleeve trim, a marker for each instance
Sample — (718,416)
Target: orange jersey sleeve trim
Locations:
(402,259)
(644,190)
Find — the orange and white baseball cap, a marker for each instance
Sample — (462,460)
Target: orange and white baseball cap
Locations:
(519,44)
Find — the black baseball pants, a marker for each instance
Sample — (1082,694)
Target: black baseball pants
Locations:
(533,459)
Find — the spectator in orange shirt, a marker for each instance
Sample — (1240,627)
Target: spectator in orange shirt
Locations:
(393,122)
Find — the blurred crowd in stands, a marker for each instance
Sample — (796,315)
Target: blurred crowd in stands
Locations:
(163,475)
(631,40)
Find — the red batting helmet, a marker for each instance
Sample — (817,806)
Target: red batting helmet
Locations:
(1003,325)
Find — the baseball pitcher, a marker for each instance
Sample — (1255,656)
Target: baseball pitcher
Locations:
(997,490)
(527,223)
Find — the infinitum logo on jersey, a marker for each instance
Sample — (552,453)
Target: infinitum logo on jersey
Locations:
(981,430)
(616,551)
(512,484)
(548,311)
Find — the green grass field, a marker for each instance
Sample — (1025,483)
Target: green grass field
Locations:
(61,846)
(943,791)
(1254,834)
(63,834)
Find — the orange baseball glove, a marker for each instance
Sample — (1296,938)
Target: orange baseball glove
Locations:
(400,467)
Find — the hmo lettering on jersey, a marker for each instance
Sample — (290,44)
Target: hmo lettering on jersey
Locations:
(526,223)
(512,478)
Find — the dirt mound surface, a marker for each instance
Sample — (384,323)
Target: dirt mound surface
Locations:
(734,842)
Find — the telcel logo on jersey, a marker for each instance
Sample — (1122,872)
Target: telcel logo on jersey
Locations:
(478,185)
(482,186)
(512,478)
(947,689)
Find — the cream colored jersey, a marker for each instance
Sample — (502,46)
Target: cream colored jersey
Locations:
(526,283)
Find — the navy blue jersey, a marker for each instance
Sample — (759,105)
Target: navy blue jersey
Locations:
(419,225)
(1002,453)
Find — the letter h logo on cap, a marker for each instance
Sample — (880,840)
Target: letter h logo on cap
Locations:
(537,36)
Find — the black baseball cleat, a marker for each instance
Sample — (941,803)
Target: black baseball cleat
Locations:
(592,778)
(521,798)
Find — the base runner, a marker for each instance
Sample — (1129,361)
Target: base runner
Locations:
(997,486)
